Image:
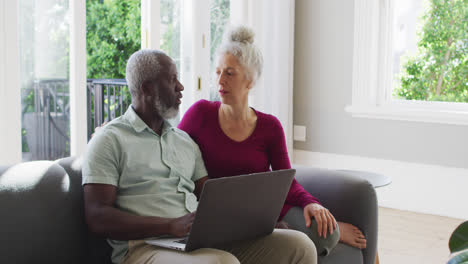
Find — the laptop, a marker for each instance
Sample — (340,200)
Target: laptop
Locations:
(233,209)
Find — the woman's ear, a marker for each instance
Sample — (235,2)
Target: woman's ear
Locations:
(250,84)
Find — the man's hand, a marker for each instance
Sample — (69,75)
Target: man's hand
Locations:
(199,186)
(180,227)
(323,217)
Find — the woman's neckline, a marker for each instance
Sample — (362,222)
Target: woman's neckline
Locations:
(218,107)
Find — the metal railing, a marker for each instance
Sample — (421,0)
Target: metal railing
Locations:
(46,114)
(107,99)
(46,119)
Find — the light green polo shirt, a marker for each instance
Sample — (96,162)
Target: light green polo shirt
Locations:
(154,174)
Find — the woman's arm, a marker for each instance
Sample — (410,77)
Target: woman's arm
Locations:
(279,159)
(297,195)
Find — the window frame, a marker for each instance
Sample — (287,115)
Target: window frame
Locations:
(10,93)
(372,56)
(195,55)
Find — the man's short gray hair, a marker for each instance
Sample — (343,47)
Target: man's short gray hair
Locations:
(143,65)
(238,41)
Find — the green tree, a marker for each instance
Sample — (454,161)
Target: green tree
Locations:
(112,34)
(439,70)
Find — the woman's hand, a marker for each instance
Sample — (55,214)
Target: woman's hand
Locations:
(323,217)
(96,129)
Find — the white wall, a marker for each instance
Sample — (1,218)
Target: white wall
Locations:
(10,111)
(322,89)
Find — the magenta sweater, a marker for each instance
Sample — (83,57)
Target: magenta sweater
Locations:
(225,157)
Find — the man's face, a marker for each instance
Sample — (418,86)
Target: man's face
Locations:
(167,90)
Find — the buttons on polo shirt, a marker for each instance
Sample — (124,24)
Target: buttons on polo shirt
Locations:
(180,187)
(191,202)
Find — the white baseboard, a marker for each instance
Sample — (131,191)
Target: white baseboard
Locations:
(416,187)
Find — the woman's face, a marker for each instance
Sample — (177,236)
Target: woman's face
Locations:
(233,86)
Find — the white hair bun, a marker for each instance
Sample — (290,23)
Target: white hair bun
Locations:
(240,34)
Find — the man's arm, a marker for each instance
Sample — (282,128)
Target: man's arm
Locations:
(104,219)
(199,186)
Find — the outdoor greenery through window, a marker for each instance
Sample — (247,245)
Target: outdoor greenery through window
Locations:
(113,33)
(431,50)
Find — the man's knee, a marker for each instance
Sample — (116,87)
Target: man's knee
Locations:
(214,256)
(295,239)
(296,243)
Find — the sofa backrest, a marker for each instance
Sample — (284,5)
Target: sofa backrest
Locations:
(43,217)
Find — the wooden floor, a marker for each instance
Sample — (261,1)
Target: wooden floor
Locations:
(408,237)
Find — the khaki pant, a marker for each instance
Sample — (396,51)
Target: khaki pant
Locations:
(282,246)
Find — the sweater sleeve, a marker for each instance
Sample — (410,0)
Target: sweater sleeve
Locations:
(279,158)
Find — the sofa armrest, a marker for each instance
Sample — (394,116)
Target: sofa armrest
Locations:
(98,250)
(349,198)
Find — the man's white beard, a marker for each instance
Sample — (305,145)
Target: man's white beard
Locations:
(165,111)
(170,113)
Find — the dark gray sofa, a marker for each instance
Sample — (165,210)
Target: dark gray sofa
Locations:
(42,218)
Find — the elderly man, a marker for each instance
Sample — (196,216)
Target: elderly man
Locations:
(140,177)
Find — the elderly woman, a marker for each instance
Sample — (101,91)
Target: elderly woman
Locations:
(237,139)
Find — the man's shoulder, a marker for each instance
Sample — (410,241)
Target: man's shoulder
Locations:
(182,134)
(112,132)
(117,126)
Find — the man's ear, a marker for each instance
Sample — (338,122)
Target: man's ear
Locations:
(146,88)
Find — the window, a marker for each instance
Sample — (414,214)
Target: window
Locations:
(190,34)
(219,17)
(44,78)
(53,39)
(430,52)
(170,13)
(384,30)
(112,36)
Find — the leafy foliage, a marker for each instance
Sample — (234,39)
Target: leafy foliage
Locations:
(112,34)
(439,70)
(458,245)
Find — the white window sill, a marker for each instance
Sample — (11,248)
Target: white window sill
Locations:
(416,111)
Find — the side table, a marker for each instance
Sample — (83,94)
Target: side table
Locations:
(376,179)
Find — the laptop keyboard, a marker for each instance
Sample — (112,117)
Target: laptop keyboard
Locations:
(182,241)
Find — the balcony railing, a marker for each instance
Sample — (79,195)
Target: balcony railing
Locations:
(45,119)
(46,114)
(107,99)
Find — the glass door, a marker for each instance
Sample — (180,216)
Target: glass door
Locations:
(44,32)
